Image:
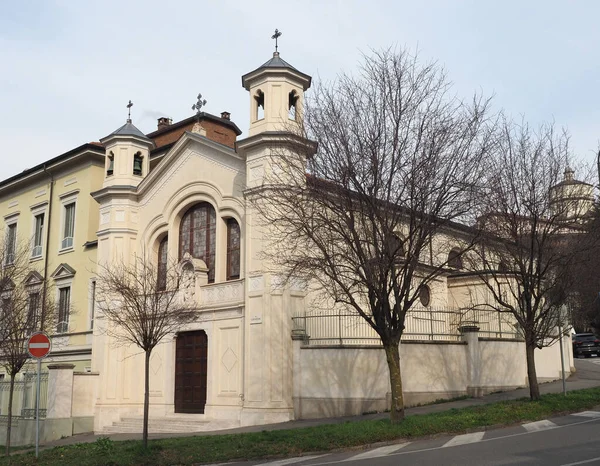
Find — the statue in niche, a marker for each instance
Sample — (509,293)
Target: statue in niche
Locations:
(188,283)
(193,273)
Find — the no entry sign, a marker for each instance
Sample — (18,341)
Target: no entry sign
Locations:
(39,345)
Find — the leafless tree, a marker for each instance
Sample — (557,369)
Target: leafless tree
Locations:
(24,309)
(584,296)
(368,211)
(531,224)
(140,303)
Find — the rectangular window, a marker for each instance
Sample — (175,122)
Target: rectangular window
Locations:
(69,226)
(6,302)
(64,298)
(11,243)
(33,310)
(38,235)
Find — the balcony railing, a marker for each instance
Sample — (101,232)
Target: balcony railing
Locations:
(222,294)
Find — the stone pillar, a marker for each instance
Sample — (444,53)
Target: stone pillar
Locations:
(59,422)
(299,339)
(470,335)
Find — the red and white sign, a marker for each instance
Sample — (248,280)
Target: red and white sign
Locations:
(39,345)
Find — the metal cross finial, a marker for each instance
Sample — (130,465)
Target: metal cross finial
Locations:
(129,105)
(198,105)
(276,36)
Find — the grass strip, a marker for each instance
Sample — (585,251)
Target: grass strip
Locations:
(295,442)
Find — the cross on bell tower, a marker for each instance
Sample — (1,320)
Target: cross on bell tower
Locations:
(276,36)
(129,105)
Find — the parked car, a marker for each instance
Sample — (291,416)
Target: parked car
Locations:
(585,344)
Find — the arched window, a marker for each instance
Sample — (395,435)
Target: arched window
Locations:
(292,102)
(138,161)
(259,97)
(233,249)
(454,259)
(161,279)
(111,163)
(197,235)
(397,247)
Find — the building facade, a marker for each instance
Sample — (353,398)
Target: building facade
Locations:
(253,356)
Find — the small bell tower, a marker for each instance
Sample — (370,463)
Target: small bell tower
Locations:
(276,94)
(127,155)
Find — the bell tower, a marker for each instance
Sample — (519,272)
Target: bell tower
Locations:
(276,92)
(127,155)
(276,95)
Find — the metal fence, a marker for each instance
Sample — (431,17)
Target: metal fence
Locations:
(24,396)
(325,328)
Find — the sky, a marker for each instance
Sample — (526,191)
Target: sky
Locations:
(69,68)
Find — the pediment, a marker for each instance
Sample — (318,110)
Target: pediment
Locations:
(190,145)
(6,285)
(34,278)
(63,271)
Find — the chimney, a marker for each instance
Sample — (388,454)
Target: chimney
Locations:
(226,115)
(163,122)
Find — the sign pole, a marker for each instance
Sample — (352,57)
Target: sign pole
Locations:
(39,346)
(37,409)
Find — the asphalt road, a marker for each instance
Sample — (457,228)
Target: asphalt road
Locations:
(562,441)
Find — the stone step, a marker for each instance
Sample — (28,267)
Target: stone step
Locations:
(168,425)
(161,422)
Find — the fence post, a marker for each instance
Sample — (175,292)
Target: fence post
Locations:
(470,335)
(60,401)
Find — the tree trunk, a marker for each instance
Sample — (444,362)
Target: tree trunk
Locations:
(146,397)
(534,388)
(393,359)
(9,420)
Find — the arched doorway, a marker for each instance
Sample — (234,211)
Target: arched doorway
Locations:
(191,357)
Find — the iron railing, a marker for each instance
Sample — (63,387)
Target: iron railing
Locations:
(326,328)
(24,396)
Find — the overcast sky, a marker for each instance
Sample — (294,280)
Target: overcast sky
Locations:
(68,68)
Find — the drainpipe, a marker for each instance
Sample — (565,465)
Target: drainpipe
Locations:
(46,256)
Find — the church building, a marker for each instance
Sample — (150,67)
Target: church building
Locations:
(252,356)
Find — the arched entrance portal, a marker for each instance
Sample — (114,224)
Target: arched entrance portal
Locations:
(190,372)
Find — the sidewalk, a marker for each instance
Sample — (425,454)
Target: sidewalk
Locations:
(587,376)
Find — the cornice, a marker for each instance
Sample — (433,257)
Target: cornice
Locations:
(280,137)
(117,191)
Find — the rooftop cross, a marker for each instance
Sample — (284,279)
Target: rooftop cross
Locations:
(276,36)
(198,105)
(129,105)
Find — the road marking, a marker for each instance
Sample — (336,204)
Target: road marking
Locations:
(493,439)
(591,460)
(539,425)
(464,439)
(291,460)
(593,414)
(378,452)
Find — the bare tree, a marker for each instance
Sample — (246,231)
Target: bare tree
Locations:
(530,217)
(24,309)
(141,303)
(584,296)
(396,163)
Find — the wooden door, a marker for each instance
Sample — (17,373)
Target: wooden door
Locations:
(191,372)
